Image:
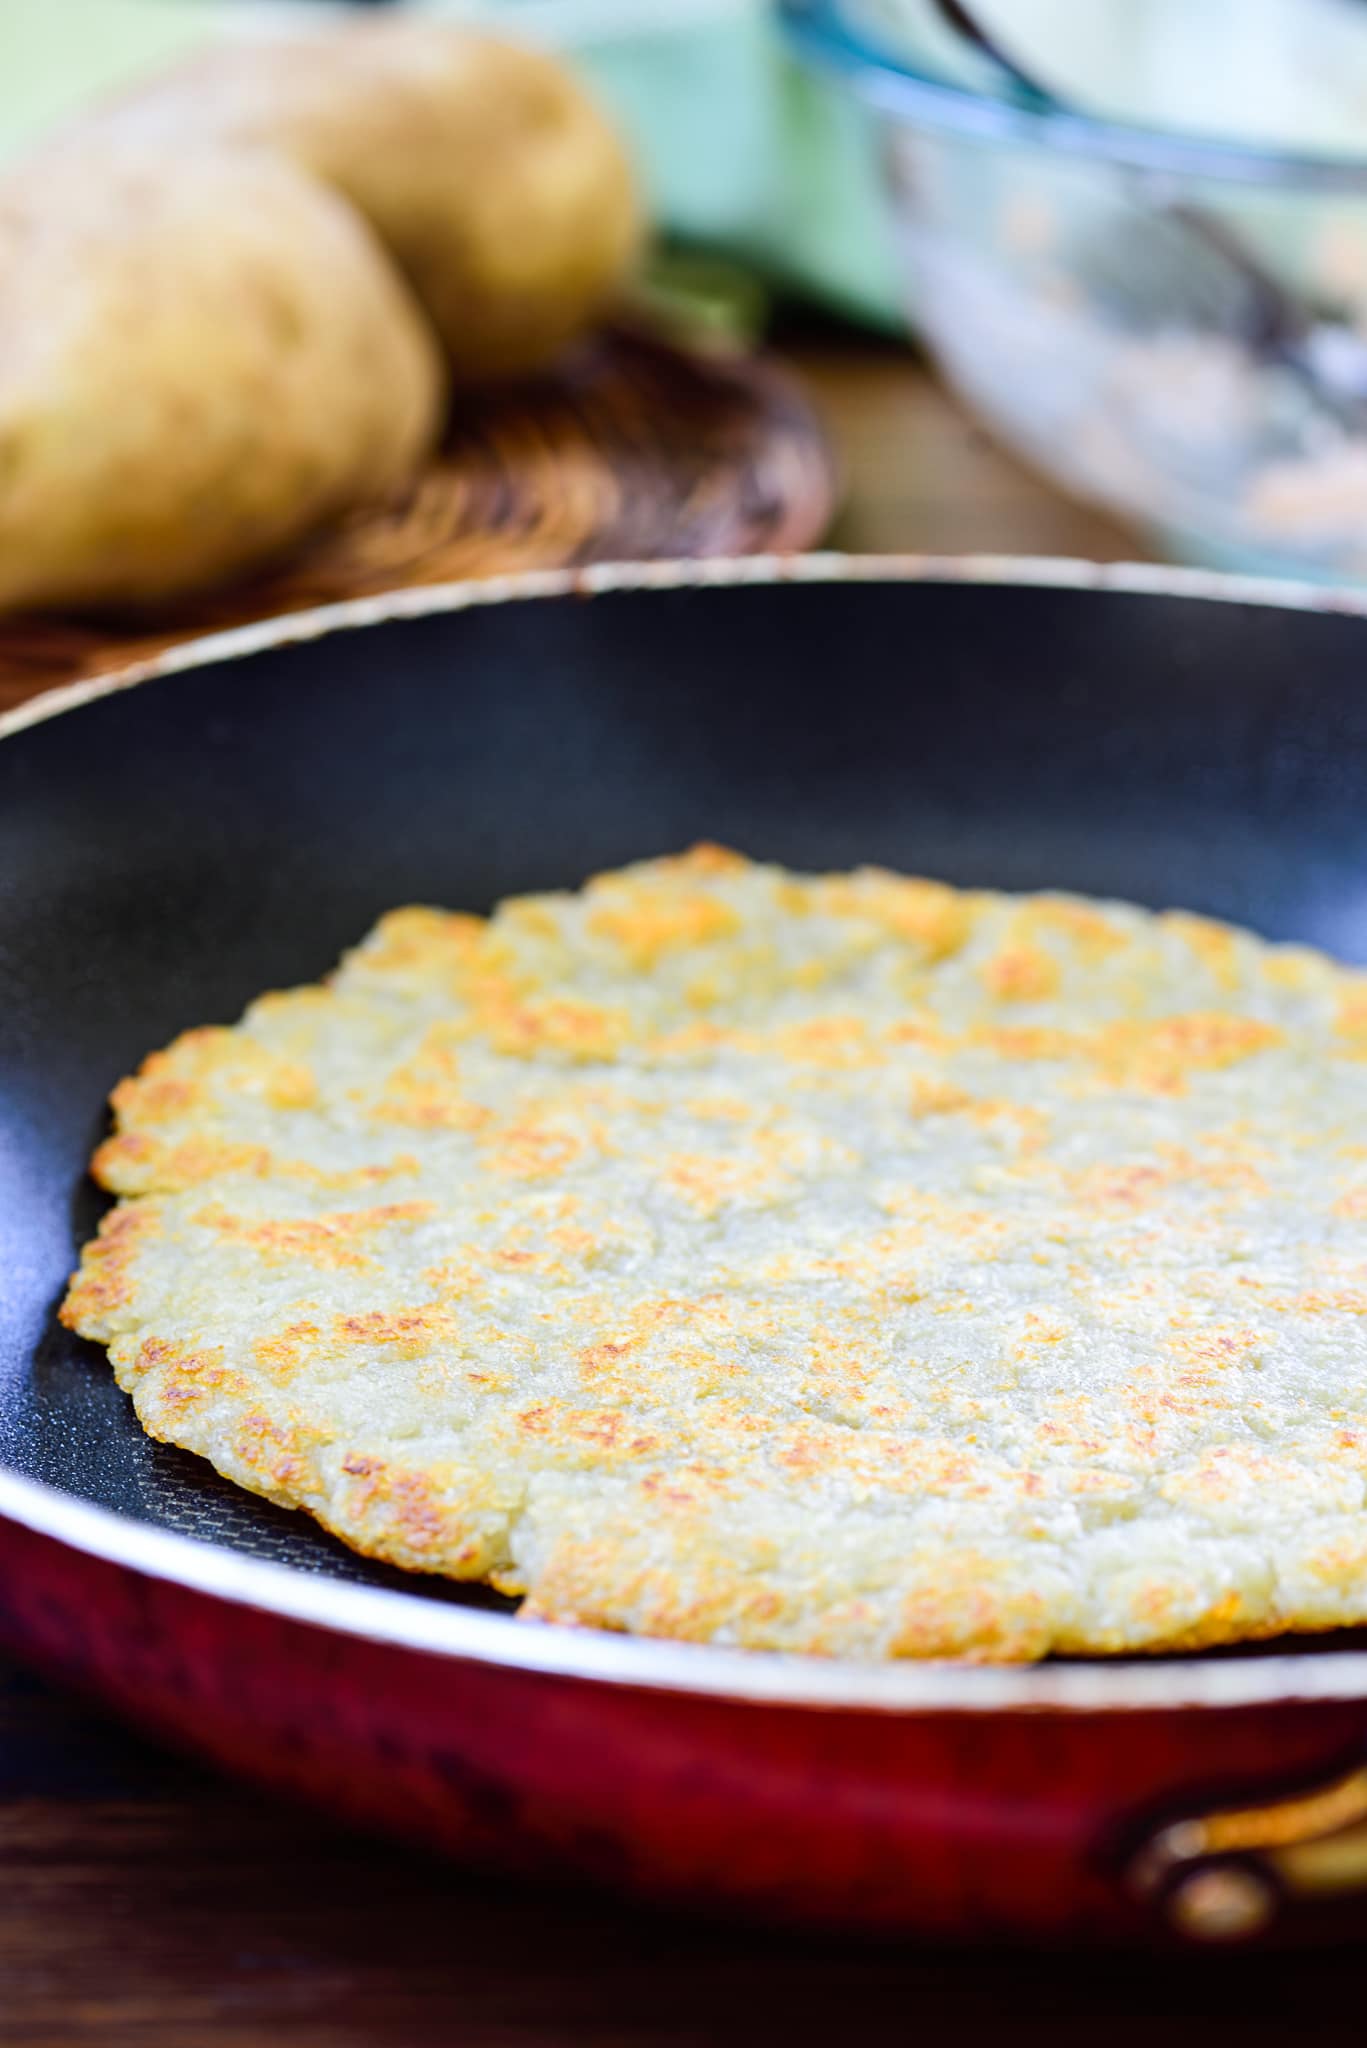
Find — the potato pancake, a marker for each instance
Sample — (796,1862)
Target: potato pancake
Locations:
(839,1263)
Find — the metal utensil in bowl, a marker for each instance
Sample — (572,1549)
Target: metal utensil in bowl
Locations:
(1202,380)
(1204,261)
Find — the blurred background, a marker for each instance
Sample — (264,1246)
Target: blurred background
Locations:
(1063,275)
(740,149)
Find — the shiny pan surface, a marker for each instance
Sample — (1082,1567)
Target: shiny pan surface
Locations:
(229,824)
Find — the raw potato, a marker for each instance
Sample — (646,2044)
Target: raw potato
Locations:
(199,363)
(490,177)
(214,293)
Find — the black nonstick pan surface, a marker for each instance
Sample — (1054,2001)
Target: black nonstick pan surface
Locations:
(169,850)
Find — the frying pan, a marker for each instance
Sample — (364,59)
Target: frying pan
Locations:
(233,821)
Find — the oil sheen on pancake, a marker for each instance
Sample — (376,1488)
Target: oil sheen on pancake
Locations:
(839,1263)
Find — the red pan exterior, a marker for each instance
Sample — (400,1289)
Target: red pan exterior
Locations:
(964,1824)
(943,1821)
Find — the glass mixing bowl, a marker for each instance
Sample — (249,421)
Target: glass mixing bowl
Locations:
(1170,321)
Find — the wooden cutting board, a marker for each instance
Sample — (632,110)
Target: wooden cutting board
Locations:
(633,450)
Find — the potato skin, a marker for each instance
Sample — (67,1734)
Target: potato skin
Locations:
(489,175)
(234,297)
(200,363)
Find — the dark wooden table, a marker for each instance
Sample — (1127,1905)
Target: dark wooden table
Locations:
(144,1901)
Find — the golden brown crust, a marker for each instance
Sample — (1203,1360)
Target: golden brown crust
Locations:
(841,1263)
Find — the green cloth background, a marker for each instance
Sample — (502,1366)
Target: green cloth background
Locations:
(739,150)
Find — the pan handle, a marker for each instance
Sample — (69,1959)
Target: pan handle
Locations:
(1225,1876)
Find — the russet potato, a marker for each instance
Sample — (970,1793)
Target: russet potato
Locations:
(200,363)
(234,298)
(489,175)
(195,371)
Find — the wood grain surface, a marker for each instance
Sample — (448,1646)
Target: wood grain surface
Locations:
(145,1902)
